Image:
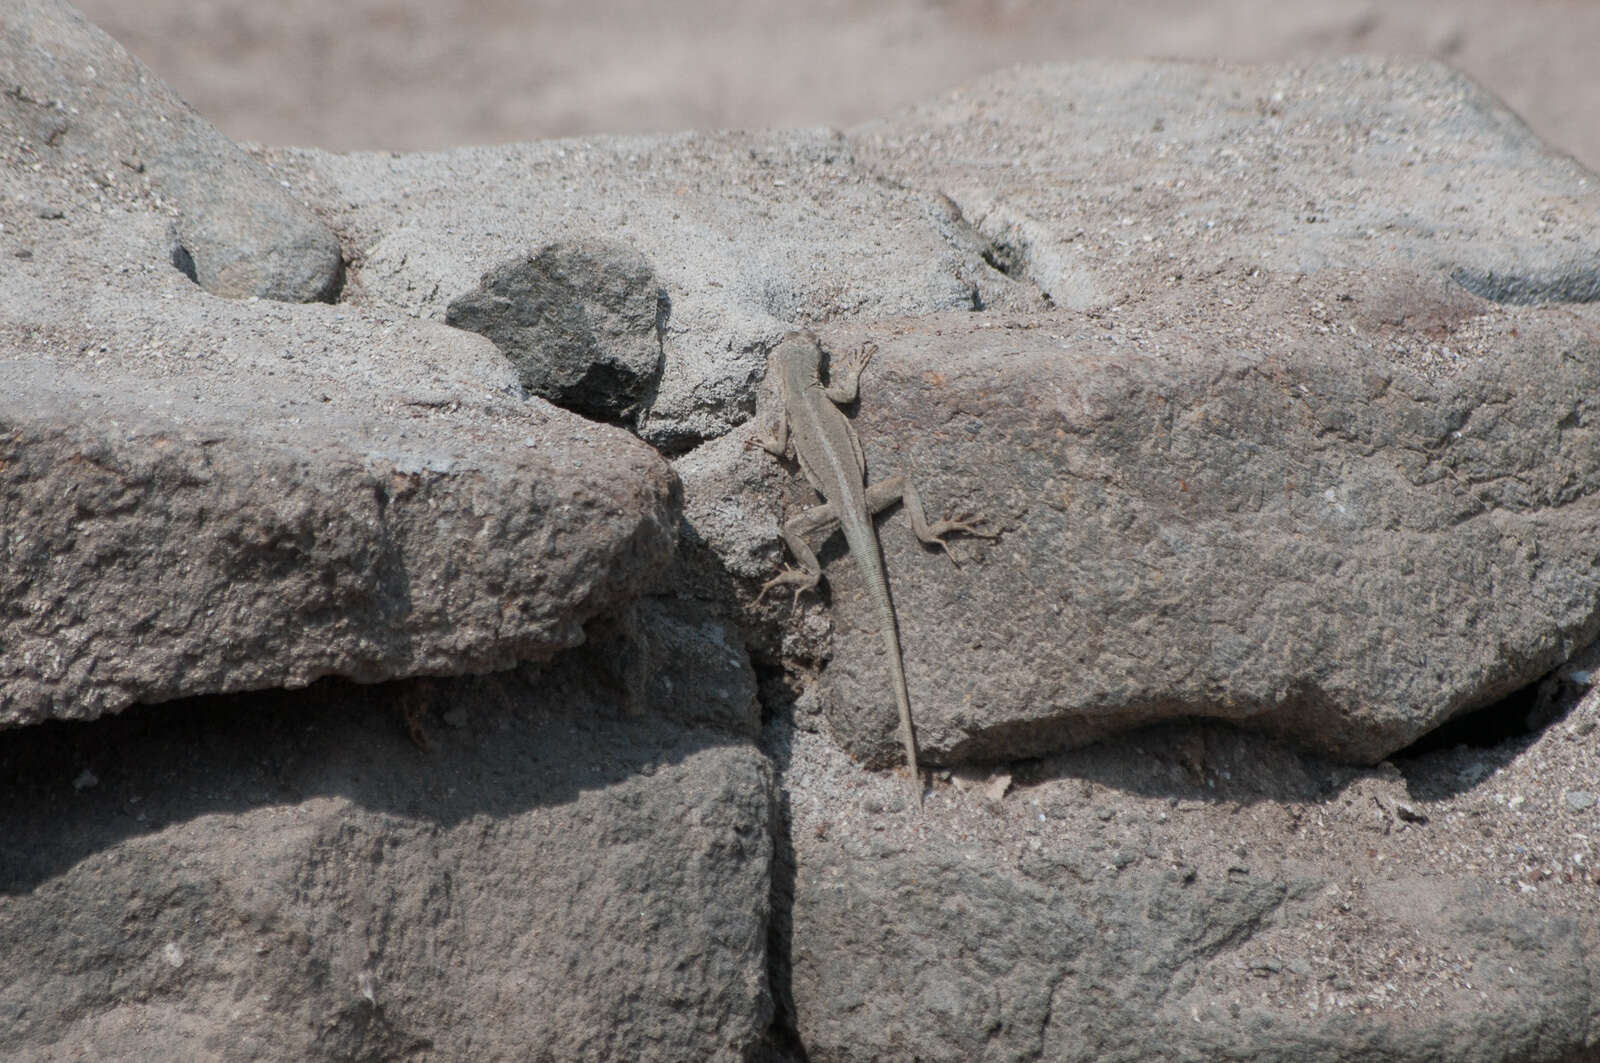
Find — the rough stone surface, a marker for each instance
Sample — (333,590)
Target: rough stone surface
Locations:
(285,877)
(581,321)
(1279,384)
(1321,537)
(751,234)
(1195,894)
(698,670)
(80,106)
(675,657)
(1254,364)
(1105,183)
(1321,328)
(203,495)
(155,548)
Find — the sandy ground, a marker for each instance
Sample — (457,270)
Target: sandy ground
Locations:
(418,74)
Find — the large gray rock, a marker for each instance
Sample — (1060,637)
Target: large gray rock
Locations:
(1194,895)
(749,233)
(285,877)
(161,541)
(1304,441)
(1325,539)
(205,495)
(80,105)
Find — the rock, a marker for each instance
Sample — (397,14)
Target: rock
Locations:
(1279,385)
(204,495)
(285,877)
(1191,176)
(1347,495)
(80,105)
(938,936)
(1205,347)
(1260,453)
(582,321)
(1580,800)
(675,658)
(699,672)
(226,539)
(809,236)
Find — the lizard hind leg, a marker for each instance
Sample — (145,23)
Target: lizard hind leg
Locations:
(801,580)
(809,574)
(898,488)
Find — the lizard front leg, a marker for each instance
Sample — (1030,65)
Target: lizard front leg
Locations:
(898,488)
(844,386)
(777,444)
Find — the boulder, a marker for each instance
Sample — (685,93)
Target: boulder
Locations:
(1194,893)
(1298,433)
(204,495)
(283,876)
(79,106)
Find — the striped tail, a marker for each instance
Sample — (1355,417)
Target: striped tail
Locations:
(878,586)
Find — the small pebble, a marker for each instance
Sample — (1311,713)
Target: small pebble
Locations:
(1578,800)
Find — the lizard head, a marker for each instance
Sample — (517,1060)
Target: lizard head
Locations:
(797,357)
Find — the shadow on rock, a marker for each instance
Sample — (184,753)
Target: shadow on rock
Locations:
(484,746)
(529,873)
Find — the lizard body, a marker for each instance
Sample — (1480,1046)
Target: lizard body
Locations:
(829,453)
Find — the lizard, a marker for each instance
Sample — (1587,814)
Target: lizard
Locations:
(811,424)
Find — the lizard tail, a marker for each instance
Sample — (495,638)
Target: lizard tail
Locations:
(864,545)
(908,731)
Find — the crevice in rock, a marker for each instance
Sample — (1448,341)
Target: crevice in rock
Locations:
(183,262)
(1009,257)
(782,1041)
(1493,725)
(1521,714)
(1576,283)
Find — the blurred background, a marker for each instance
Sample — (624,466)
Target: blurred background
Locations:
(417,74)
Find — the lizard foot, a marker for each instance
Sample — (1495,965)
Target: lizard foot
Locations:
(801,580)
(769,444)
(858,358)
(942,528)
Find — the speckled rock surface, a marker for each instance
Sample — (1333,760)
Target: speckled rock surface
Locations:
(79,107)
(1299,434)
(1195,893)
(205,495)
(284,876)
(1277,382)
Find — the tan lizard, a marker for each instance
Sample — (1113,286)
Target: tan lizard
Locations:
(829,453)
